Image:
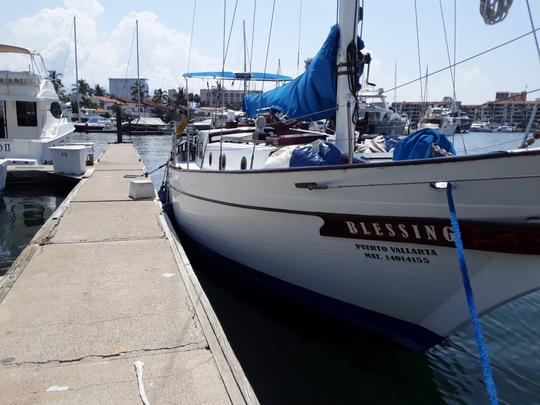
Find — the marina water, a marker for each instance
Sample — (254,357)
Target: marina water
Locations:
(293,354)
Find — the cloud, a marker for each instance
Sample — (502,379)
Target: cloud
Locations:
(92,8)
(163,50)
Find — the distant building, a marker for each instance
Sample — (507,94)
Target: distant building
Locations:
(172,93)
(212,97)
(415,109)
(508,109)
(130,107)
(504,112)
(509,96)
(106,103)
(122,87)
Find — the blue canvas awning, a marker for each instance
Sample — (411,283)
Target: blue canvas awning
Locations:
(263,77)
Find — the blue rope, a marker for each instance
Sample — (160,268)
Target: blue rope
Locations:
(482,347)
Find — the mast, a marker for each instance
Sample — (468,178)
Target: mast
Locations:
(299,36)
(138,80)
(395,81)
(76,69)
(348,19)
(278,70)
(245,59)
(425,87)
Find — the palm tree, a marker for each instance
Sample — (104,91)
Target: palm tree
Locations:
(56,80)
(179,98)
(84,88)
(99,91)
(85,92)
(160,96)
(178,102)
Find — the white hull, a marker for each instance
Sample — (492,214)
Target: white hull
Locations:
(37,149)
(262,220)
(31,117)
(447,129)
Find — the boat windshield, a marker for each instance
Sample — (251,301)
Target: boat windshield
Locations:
(19,62)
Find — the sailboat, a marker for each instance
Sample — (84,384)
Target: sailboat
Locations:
(371,236)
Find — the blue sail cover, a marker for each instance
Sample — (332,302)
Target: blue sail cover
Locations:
(310,94)
(418,145)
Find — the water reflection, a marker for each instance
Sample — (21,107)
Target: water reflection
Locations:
(22,213)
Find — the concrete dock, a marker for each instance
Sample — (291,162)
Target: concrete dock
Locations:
(105,284)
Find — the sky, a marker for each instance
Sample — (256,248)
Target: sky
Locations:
(105,30)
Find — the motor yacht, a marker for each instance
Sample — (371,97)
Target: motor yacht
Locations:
(31,117)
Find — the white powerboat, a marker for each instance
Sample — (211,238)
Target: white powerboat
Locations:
(94,123)
(482,126)
(440,119)
(376,118)
(31,118)
(372,236)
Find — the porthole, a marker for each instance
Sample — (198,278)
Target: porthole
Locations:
(222,162)
(243,163)
(210,159)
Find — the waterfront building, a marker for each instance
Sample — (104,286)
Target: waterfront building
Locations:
(122,87)
(508,109)
(106,103)
(212,97)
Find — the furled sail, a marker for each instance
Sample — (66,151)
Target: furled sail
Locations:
(312,95)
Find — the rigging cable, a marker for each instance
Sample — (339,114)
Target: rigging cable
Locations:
(252,41)
(230,32)
(532,26)
(268,44)
(448,48)
(463,60)
(67,50)
(129,60)
(299,35)
(453,72)
(455,79)
(191,36)
(187,88)
(418,50)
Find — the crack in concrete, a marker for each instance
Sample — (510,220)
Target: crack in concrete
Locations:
(130,239)
(187,347)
